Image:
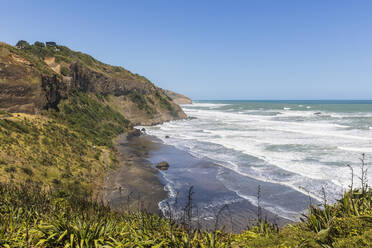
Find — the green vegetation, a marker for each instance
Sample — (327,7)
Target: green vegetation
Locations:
(65,71)
(31,217)
(165,102)
(142,102)
(65,149)
(51,69)
(29,52)
(51,166)
(91,119)
(43,151)
(48,164)
(22,44)
(65,57)
(348,223)
(39,44)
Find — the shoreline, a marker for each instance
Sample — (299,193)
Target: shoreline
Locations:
(137,185)
(134,185)
(210,195)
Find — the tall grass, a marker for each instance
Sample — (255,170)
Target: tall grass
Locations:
(31,217)
(35,217)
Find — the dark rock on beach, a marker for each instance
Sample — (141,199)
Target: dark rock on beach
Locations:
(134,133)
(162,165)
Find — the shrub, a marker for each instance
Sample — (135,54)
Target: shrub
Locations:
(93,120)
(22,44)
(27,171)
(56,181)
(65,71)
(11,169)
(39,44)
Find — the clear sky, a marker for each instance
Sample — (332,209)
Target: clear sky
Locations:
(279,49)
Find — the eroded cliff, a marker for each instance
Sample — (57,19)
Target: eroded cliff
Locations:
(34,78)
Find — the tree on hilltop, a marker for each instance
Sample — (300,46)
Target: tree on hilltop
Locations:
(39,44)
(22,44)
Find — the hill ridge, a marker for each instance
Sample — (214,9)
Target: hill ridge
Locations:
(36,77)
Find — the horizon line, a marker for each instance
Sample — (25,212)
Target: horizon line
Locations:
(281,99)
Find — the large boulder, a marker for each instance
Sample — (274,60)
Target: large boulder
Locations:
(134,133)
(162,165)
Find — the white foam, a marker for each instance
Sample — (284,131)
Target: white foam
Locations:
(205,105)
(282,212)
(309,152)
(357,149)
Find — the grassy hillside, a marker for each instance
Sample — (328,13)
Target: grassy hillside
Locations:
(69,149)
(64,56)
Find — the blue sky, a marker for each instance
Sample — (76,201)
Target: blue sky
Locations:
(261,49)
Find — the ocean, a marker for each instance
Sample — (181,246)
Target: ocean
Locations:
(292,149)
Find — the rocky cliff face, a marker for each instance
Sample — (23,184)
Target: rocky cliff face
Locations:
(178,98)
(28,84)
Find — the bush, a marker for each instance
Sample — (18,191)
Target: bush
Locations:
(27,171)
(65,71)
(56,181)
(22,44)
(11,169)
(39,44)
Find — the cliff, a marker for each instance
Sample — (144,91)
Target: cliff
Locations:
(36,77)
(178,98)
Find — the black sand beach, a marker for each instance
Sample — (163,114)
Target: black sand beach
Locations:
(134,185)
(137,184)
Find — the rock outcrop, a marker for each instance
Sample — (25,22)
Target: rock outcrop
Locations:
(178,98)
(134,133)
(36,78)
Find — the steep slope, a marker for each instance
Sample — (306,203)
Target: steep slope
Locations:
(69,149)
(37,77)
(59,113)
(178,98)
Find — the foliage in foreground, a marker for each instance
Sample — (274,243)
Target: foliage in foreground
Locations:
(31,217)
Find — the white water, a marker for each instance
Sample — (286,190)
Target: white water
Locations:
(288,145)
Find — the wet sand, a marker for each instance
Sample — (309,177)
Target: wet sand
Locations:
(137,185)
(210,194)
(134,185)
